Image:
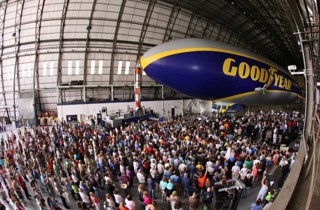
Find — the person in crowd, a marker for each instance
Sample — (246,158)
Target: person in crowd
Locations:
(131,204)
(194,201)
(268,205)
(207,199)
(95,200)
(122,206)
(257,205)
(264,189)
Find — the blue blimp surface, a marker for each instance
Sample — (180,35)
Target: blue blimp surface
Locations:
(212,70)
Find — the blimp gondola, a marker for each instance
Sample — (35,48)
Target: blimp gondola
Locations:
(212,70)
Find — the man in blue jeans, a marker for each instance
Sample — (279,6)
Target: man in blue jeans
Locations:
(151,186)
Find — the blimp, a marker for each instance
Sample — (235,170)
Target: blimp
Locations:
(212,70)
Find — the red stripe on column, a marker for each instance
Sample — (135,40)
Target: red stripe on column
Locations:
(138,70)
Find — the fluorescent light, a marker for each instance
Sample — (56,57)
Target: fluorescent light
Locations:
(127,68)
(100,67)
(119,67)
(77,68)
(93,63)
(69,67)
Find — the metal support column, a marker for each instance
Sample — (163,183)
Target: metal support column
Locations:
(89,27)
(162,92)
(144,29)
(16,34)
(309,90)
(36,95)
(61,39)
(3,11)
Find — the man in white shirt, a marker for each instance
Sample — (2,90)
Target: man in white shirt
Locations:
(153,172)
(243,171)
(141,177)
(85,198)
(235,171)
(160,167)
(117,197)
(182,166)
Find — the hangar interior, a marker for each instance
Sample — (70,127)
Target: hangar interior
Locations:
(67,52)
(60,55)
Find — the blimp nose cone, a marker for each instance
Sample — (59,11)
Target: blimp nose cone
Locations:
(186,72)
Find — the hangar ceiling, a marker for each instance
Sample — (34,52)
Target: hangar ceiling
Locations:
(77,51)
(267,26)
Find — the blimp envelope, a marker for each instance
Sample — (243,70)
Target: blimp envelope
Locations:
(212,70)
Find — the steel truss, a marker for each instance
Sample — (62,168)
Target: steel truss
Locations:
(16,34)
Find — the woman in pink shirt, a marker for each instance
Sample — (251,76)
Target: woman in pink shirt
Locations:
(146,199)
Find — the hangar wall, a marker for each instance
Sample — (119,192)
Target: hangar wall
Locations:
(65,50)
(162,107)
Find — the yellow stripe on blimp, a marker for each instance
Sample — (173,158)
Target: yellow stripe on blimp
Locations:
(252,93)
(144,62)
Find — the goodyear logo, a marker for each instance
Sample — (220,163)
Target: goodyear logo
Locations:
(266,76)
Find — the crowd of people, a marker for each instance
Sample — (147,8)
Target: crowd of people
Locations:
(183,162)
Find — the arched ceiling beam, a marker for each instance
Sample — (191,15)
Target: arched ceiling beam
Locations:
(36,96)
(176,8)
(114,44)
(16,34)
(192,16)
(3,12)
(145,26)
(61,39)
(86,55)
